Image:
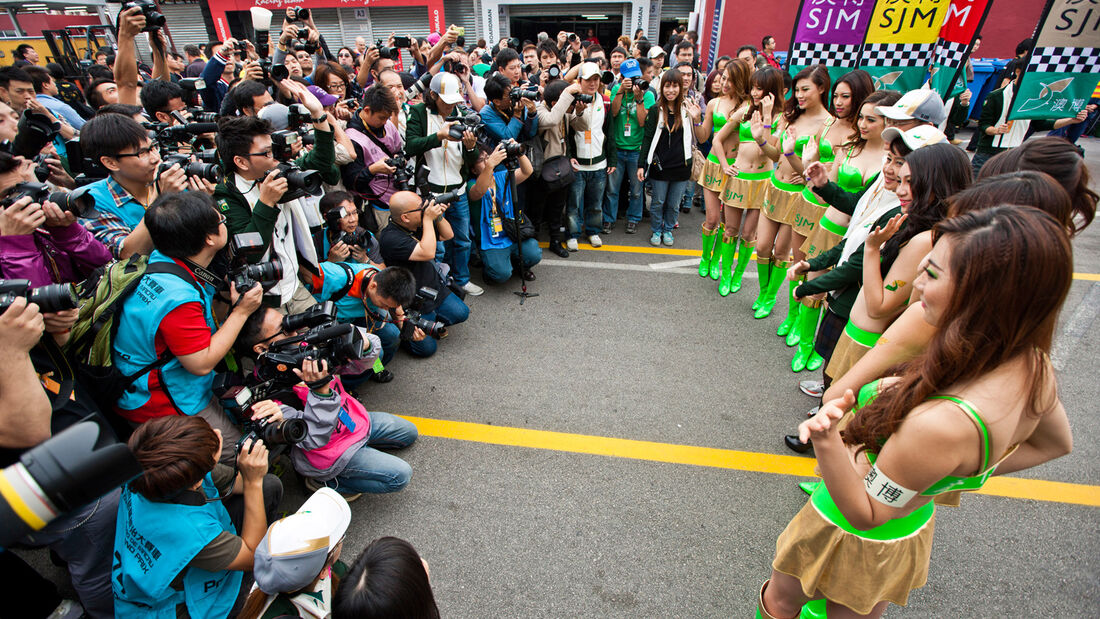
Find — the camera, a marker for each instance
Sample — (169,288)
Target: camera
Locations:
(298,14)
(358,238)
(201,116)
(514,43)
(572,37)
(309,48)
(401,175)
(51,298)
(468,120)
(582,97)
(642,85)
(513,150)
(41,169)
(415,318)
(36,130)
(77,202)
(154,19)
(238,401)
(297,115)
(352,103)
(389,53)
(300,182)
(402,42)
(320,314)
(520,92)
(452,66)
(553,72)
(266,274)
(279,72)
(444,198)
(190,86)
(607,77)
(333,343)
(207,171)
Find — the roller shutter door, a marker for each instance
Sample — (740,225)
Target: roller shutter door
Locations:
(328,22)
(536,9)
(186,24)
(676,9)
(463,13)
(404,20)
(355,26)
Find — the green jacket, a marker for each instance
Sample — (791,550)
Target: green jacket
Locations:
(991,113)
(261,217)
(841,200)
(418,141)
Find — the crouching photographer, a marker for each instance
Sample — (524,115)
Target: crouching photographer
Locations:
(410,242)
(506,238)
(339,446)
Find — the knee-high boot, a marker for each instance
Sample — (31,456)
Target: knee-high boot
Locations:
(744,253)
(788,327)
(726,272)
(775,280)
(807,327)
(764,270)
(709,239)
(719,233)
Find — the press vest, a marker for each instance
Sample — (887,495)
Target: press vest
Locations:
(381,186)
(345,435)
(156,295)
(154,542)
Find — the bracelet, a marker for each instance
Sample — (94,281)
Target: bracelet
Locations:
(321,119)
(788,154)
(320,383)
(767,126)
(762,144)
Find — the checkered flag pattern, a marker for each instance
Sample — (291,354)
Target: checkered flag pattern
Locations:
(949,53)
(829,54)
(1065,60)
(895,54)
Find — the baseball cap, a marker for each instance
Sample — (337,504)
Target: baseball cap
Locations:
(276,114)
(295,548)
(446,85)
(916,137)
(629,68)
(481,68)
(923,104)
(433,38)
(655,51)
(322,96)
(589,70)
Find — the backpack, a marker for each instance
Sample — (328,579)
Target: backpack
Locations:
(91,340)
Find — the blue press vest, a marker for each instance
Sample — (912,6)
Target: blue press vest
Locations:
(154,542)
(155,296)
(503,191)
(348,308)
(131,212)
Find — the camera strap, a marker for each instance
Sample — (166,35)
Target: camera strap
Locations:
(201,272)
(373,138)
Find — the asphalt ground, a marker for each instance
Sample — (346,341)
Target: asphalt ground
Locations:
(634,345)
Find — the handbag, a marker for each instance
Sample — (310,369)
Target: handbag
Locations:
(537,154)
(557,172)
(698,160)
(518,228)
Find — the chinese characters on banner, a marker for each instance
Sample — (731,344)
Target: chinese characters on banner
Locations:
(1065,64)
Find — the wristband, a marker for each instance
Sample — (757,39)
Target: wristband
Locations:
(767,126)
(320,119)
(788,154)
(320,383)
(762,144)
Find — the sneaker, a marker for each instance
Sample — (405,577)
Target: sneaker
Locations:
(473,289)
(595,240)
(67,609)
(606,228)
(631,227)
(666,238)
(314,485)
(813,411)
(812,388)
(655,240)
(571,245)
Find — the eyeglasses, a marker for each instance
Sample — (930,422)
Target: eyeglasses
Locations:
(221,219)
(141,152)
(266,154)
(341,86)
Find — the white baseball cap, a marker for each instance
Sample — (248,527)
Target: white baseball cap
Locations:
(916,137)
(295,548)
(922,104)
(447,86)
(655,51)
(589,69)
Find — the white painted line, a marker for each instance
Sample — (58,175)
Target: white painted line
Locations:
(672,264)
(623,266)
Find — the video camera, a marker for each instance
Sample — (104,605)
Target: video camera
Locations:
(334,343)
(244,275)
(51,298)
(77,202)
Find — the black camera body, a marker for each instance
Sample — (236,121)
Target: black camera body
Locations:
(36,130)
(389,53)
(358,238)
(402,174)
(208,171)
(582,97)
(238,401)
(334,343)
(297,116)
(457,68)
(201,116)
(553,72)
(297,14)
(76,202)
(468,120)
(513,150)
(300,183)
(244,275)
(414,317)
(642,85)
(154,19)
(51,298)
(521,92)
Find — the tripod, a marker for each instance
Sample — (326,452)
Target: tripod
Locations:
(522,293)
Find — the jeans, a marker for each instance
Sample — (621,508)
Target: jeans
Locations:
(586,195)
(628,164)
(1074,132)
(498,262)
(978,160)
(378,472)
(390,336)
(689,195)
(456,252)
(665,203)
(451,312)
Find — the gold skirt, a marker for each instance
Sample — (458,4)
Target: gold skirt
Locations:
(821,239)
(744,193)
(845,354)
(805,215)
(850,570)
(712,177)
(779,204)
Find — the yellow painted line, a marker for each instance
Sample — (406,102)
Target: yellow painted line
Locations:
(1011,487)
(670,251)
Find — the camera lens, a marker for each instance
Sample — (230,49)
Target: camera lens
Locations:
(279,72)
(206,171)
(54,298)
(77,202)
(286,432)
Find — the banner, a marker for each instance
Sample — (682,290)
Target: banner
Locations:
(1065,63)
(900,40)
(964,21)
(829,32)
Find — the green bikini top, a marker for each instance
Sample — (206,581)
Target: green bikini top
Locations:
(744,131)
(849,177)
(950,483)
(718,120)
(825,152)
(800,145)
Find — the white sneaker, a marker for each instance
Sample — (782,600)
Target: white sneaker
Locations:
(571,245)
(473,289)
(812,388)
(595,240)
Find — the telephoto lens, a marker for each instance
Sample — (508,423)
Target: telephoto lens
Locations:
(582,97)
(78,201)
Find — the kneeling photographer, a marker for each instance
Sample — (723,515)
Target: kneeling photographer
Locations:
(410,241)
(379,169)
(505,237)
(338,446)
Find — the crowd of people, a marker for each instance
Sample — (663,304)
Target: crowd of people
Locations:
(209,255)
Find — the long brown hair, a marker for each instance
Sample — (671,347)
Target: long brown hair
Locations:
(1012,267)
(1058,158)
(819,76)
(738,80)
(1024,188)
(769,80)
(861,85)
(884,98)
(671,110)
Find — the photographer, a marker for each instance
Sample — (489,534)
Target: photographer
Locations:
(161,98)
(41,242)
(246,98)
(410,241)
(218,74)
(449,157)
(17,90)
(46,93)
(131,23)
(169,318)
(101,92)
(492,202)
(508,116)
(629,105)
(594,158)
(288,48)
(545,201)
(124,149)
(178,552)
(252,195)
(377,142)
(340,449)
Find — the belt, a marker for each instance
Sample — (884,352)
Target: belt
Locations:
(832,226)
(444,188)
(592,161)
(896,529)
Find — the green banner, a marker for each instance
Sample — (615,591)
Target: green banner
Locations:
(1065,64)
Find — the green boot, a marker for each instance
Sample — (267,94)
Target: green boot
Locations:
(787,327)
(764,271)
(807,327)
(744,252)
(814,609)
(709,239)
(718,234)
(775,280)
(726,272)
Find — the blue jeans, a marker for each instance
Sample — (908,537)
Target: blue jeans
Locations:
(628,164)
(390,336)
(378,472)
(689,195)
(665,203)
(456,252)
(586,193)
(1074,132)
(498,262)
(451,312)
